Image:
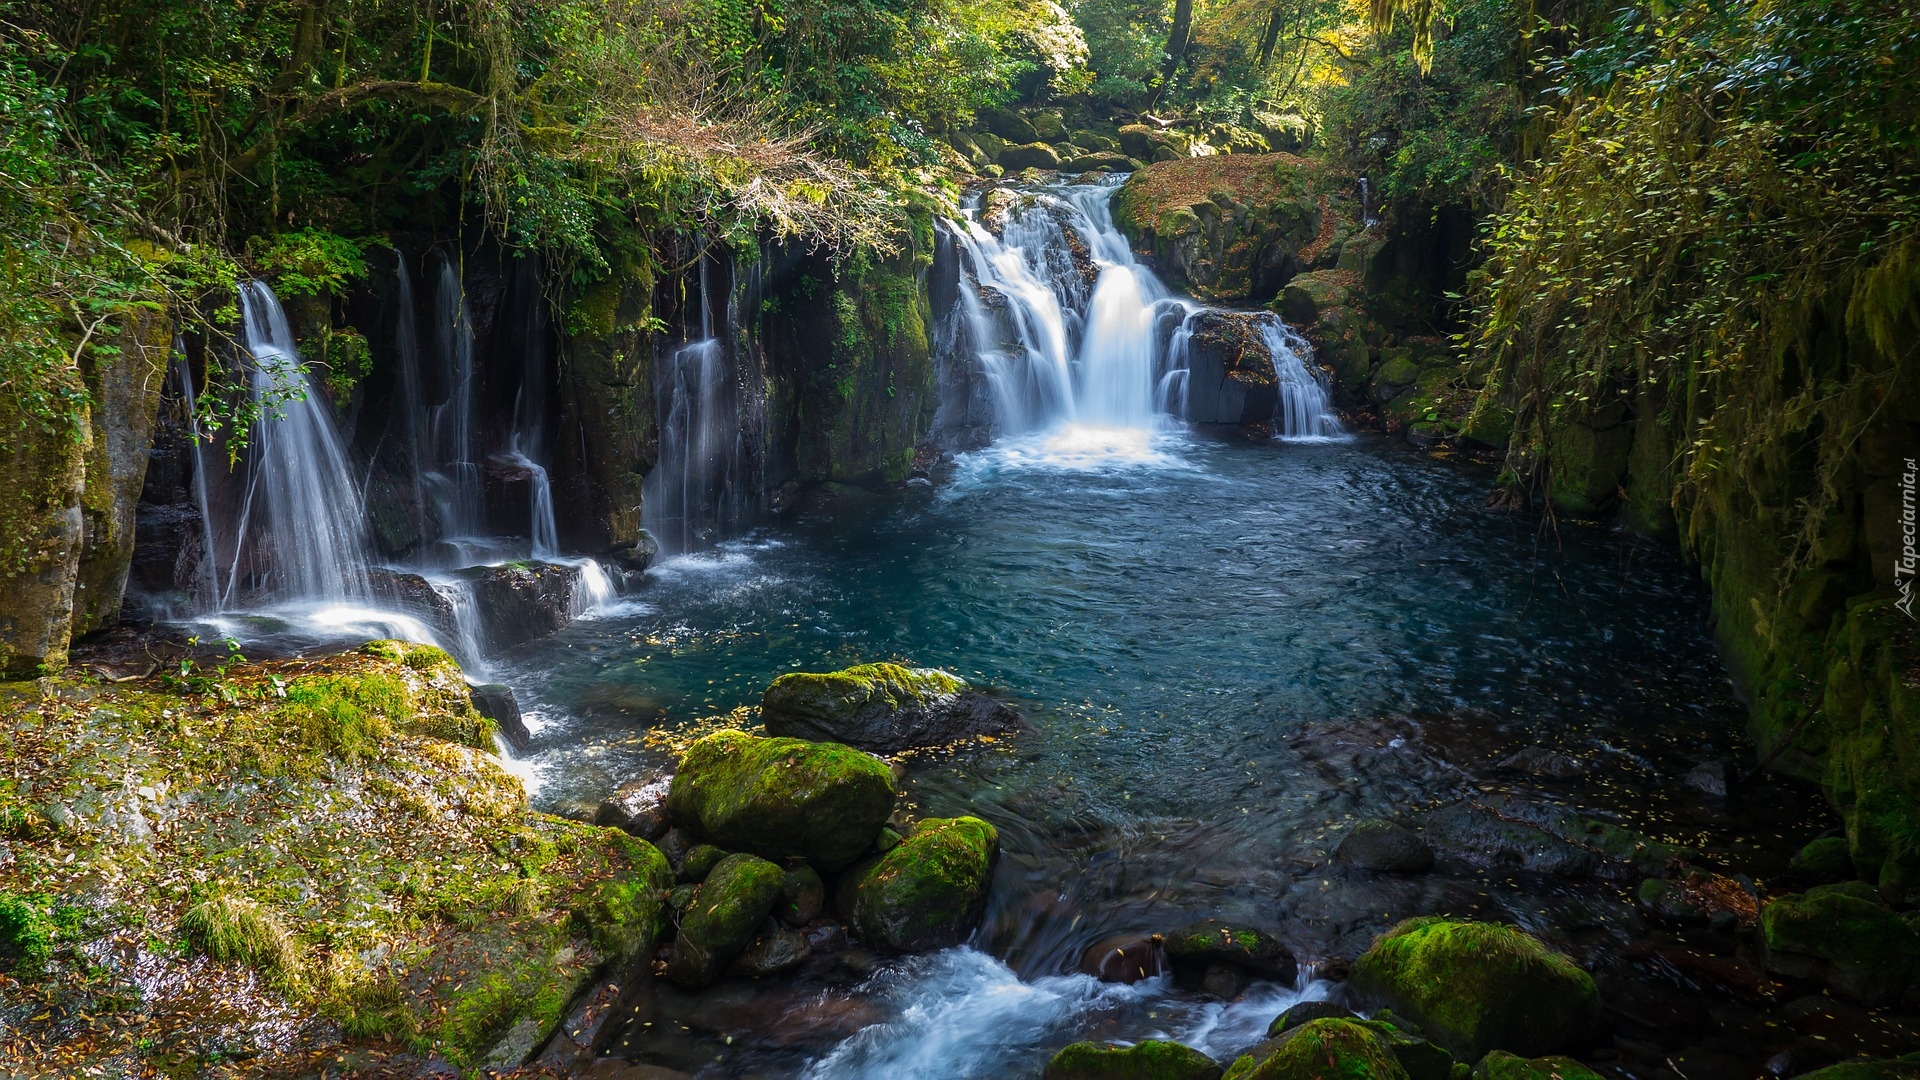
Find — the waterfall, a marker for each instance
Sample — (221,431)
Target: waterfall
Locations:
(300,530)
(452,476)
(1305,408)
(698,490)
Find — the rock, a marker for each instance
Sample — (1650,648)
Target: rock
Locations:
(1709,778)
(1906,1068)
(1033,155)
(1501,1065)
(1379,845)
(1097,161)
(1209,940)
(1227,228)
(123,383)
(1139,140)
(615,1069)
(414,595)
(700,861)
(927,893)
(496,702)
(1491,837)
(519,602)
(884,708)
(634,556)
(1540,761)
(1224,981)
(782,798)
(1306,1012)
(1699,896)
(1421,1059)
(1149,1060)
(776,949)
(638,808)
(1230,376)
(803,896)
(606,395)
(1825,860)
(1009,125)
(1841,935)
(1322,1050)
(1047,127)
(722,918)
(1476,987)
(1124,958)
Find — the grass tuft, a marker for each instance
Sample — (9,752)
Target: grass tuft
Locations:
(228,928)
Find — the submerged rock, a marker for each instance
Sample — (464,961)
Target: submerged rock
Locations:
(1842,935)
(803,896)
(1124,958)
(723,918)
(1476,987)
(1149,1060)
(1209,941)
(884,708)
(927,893)
(496,702)
(782,798)
(1540,761)
(1379,845)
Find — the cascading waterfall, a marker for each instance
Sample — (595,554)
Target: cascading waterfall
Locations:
(300,533)
(698,490)
(1305,408)
(452,477)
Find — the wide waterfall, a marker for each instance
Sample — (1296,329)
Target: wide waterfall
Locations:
(300,528)
(1075,336)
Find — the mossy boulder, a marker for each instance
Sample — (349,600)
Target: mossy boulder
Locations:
(1824,860)
(782,798)
(1033,155)
(884,708)
(1905,1068)
(723,918)
(1227,227)
(1149,1060)
(1843,936)
(1477,987)
(1329,1049)
(928,892)
(1211,941)
(1501,1065)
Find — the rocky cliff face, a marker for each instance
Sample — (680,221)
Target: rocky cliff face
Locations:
(609,438)
(1226,228)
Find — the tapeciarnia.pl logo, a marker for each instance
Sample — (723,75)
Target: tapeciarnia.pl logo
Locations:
(1904,563)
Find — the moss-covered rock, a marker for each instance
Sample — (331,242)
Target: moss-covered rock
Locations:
(884,708)
(1476,987)
(606,402)
(1905,1068)
(1149,1060)
(1844,936)
(1224,227)
(1327,1049)
(1501,1065)
(782,798)
(928,892)
(723,918)
(1825,860)
(1212,941)
(803,896)
(123,387)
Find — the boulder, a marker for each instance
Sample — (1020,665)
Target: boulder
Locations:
(1139,140)
(521,601)
(1226,228)
(1501,1065)
(496,702)
(699,862)
(1210,940)
(782,798)
(1905,1068)
(1097,161)
(1476,987)
(1540,761)
(638,808)
(1379,845)
(1033,155)
(1306,1012)
(1048,127)
(722,918)
(927,893)
(1149,1060)
(1124,958)
(1844,936)
(776,949)
(1492,837)
(884,708)
(1825,860)
(803,896)
(1230,376)
(1327,1049)
(1009,125)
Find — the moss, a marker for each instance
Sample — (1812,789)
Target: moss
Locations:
(1873,951)
(928,892)
(783,797)
(844,696)
(1149,1060)
(1826,859)
(26,933)
(1476,987)
(1500,1065)
(1906,1068)
(236,930)
(1326,1050)
(723,917)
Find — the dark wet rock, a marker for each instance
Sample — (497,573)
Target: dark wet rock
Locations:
(722,918)
(1224,981)
(1825,860)
(680,896)
(1327,1049)
(1421,1059)
(782,798)
(1905,1068)
(884,708)
(1098,161)
(1699,896)
(1379,845)
(929,892)
(496,702)
(1540,761)
(1306,1012)
(414,595)
(1490,837)
(638,808)
(1230,377)
(636,556)
(519,602)
(1149,1060)
(887,840)
(1476,987)
(1009,125)
(1124,958)
(700,861)
(776,949)
(803,896)
(615,1069)
(1709,778)
(1033,155)
(508,482)
(1843,936)
(168,546)
(1210,940)
(1501,1065)
(1629,849)
(675,843)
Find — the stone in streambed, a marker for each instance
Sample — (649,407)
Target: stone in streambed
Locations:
(1379,845)
(1149,1060)
(700,861)
(781,798)
(1329,1049)
(1905,1068)
(723,918)
(803,896)
(929,892)
(1476,987)
(776,949)
(1306,1012)
(1540,761)
(884,708)
(1842,935)
(1035,155)
(1124,958)
(1259,952)
(1501,1065)
(638,808)
(496,702)
(1825,860)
